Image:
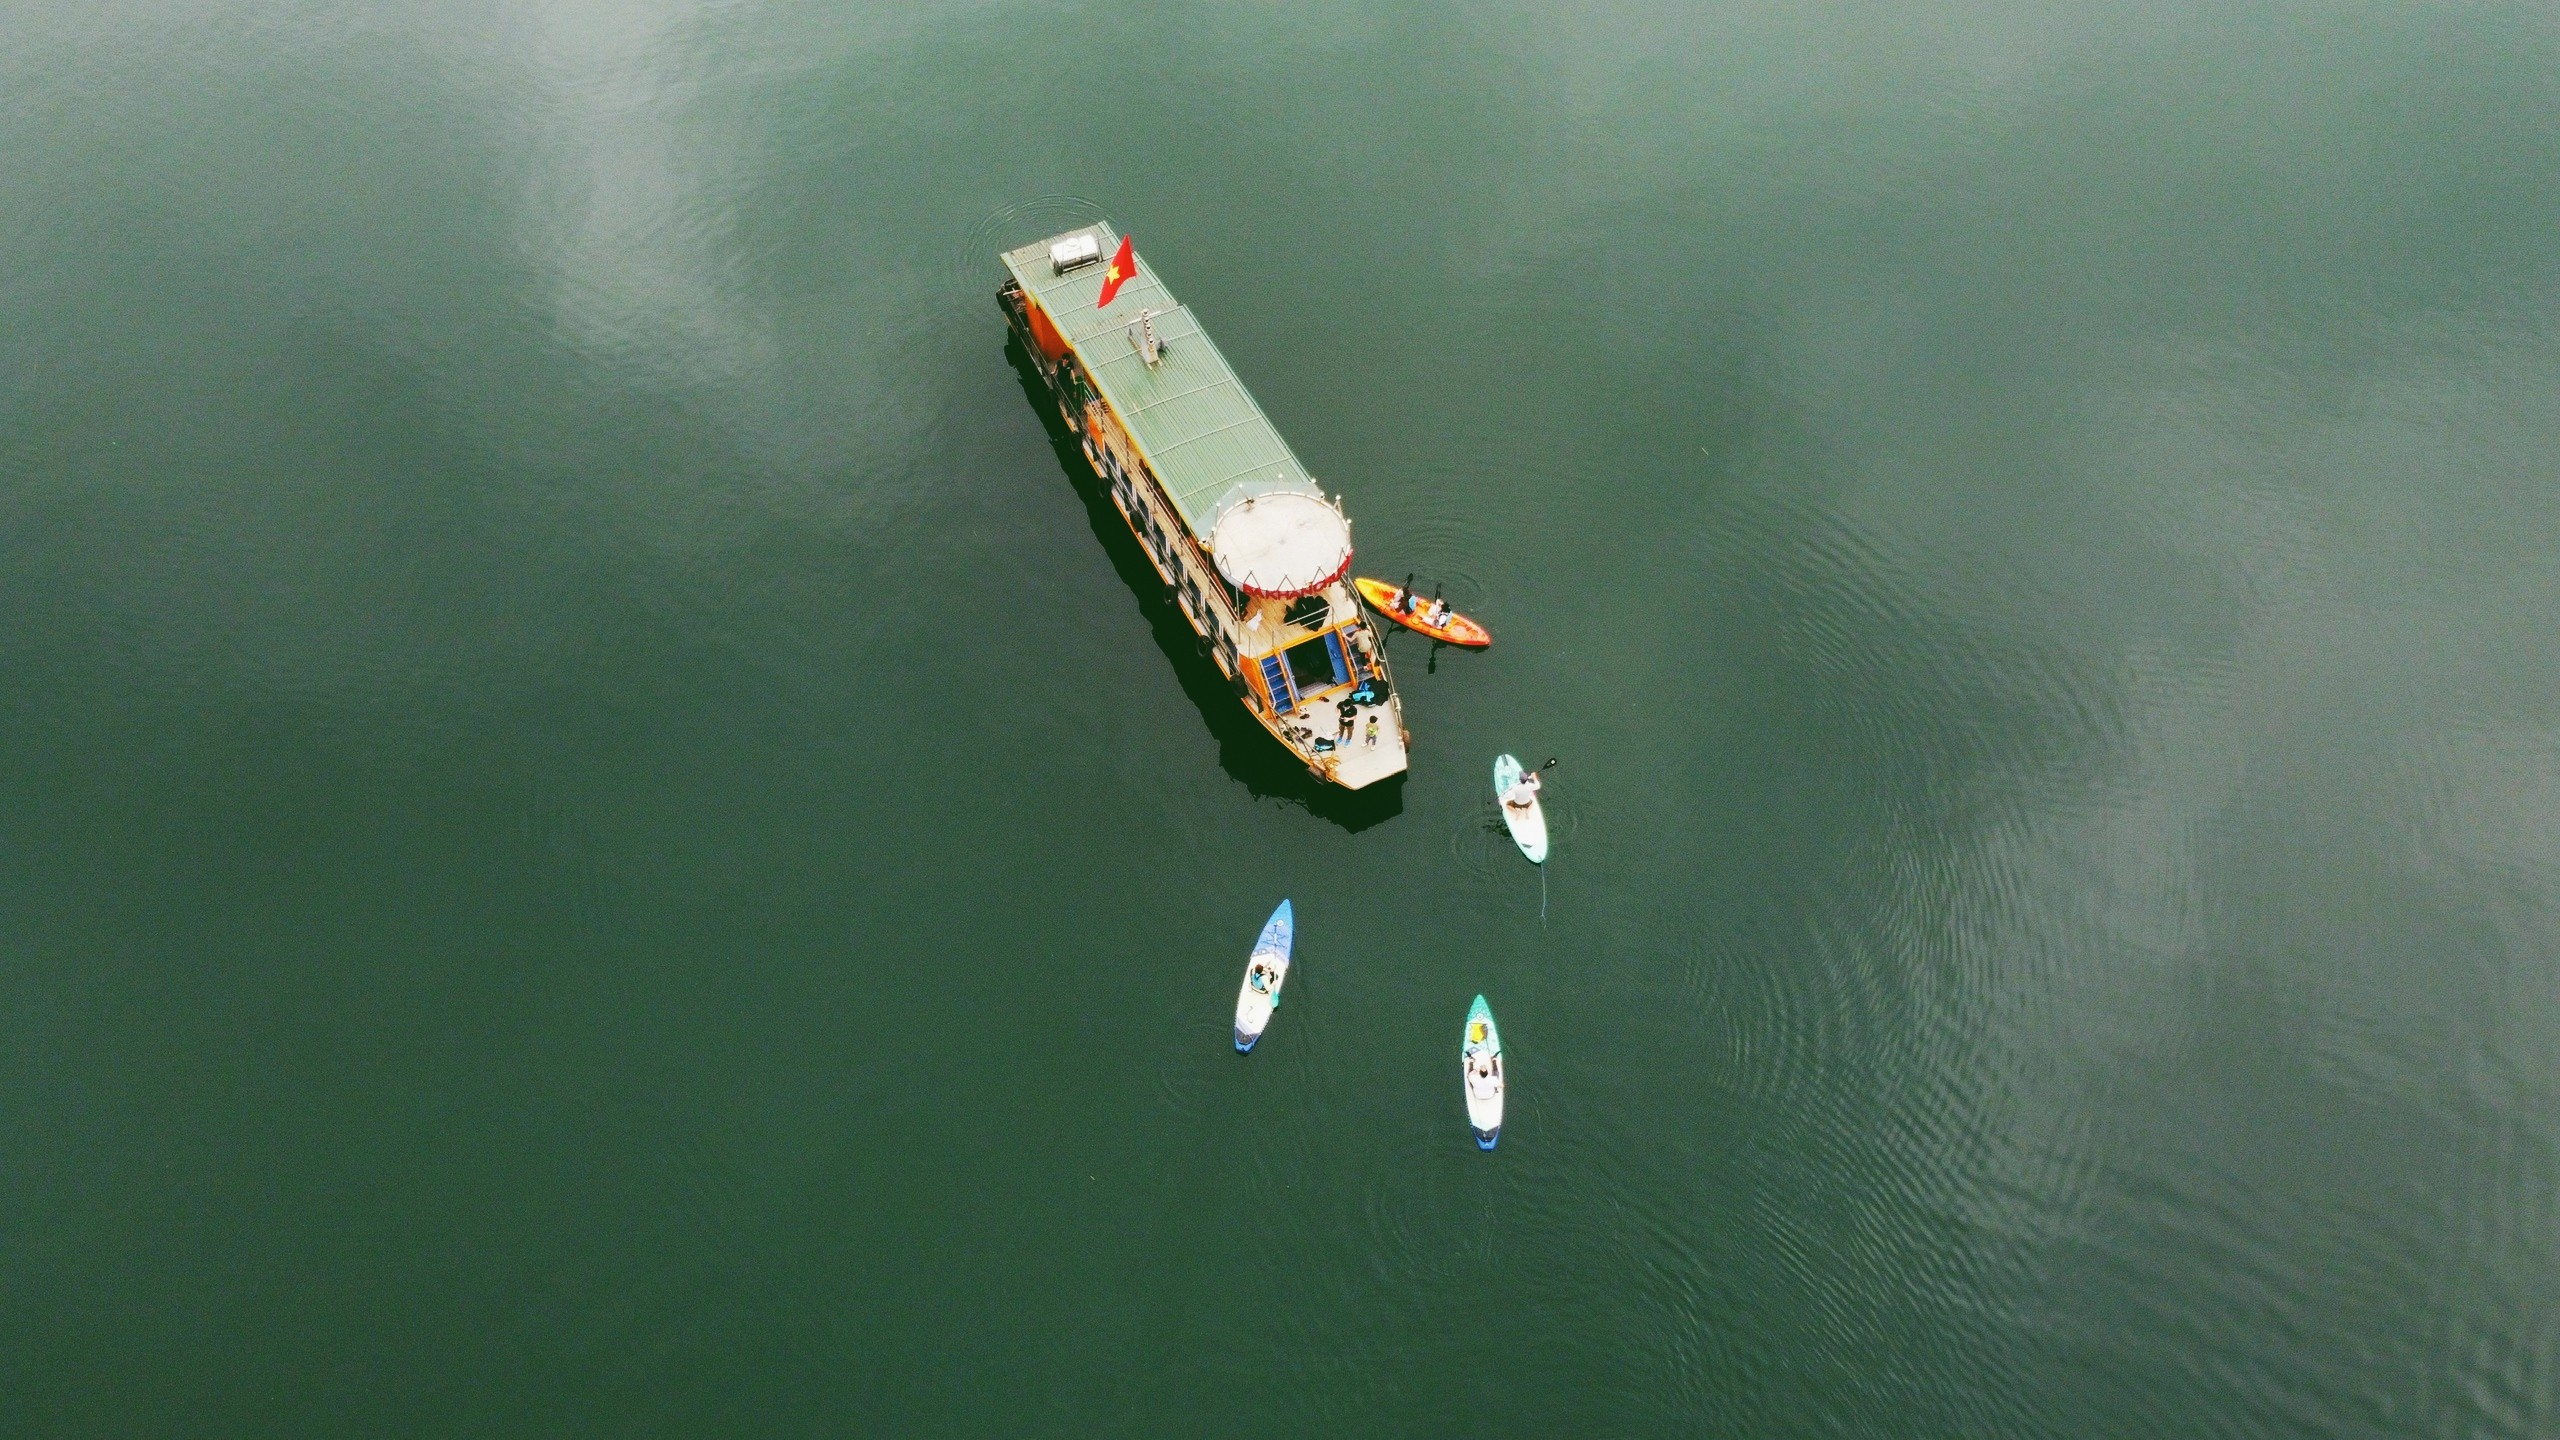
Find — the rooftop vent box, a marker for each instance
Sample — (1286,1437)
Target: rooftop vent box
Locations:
(1075,251)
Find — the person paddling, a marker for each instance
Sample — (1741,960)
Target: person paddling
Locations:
(1523,792)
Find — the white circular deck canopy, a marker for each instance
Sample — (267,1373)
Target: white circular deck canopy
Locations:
(1282,545)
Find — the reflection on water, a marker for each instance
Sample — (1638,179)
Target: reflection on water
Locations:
(603,830)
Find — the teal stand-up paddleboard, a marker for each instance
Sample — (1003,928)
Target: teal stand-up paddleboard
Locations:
(1527,822)
(1480,1069)
(1265,971)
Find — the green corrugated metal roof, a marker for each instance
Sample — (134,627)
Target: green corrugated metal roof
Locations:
(1192,418)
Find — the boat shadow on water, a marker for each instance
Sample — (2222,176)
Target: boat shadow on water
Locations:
(1245,750)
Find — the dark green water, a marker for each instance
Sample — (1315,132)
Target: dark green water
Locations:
(596,839)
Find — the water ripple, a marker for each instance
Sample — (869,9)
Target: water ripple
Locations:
(970,270)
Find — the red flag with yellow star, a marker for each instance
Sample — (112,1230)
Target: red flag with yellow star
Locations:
(1124,268)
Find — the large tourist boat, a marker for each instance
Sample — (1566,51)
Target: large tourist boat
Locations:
(1251,549)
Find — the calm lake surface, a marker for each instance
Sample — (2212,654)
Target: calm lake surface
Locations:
(598,836)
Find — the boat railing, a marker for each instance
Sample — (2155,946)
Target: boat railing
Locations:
(1280,636)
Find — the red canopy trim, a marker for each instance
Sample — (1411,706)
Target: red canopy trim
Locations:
(1339,571)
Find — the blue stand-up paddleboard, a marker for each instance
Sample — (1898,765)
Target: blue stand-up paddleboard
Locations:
(1264,973)
(1480,1069)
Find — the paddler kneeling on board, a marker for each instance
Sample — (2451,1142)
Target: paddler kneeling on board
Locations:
(1482,1071)
(1523,792)
(1262,976)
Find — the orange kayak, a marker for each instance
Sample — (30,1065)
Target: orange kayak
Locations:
(1458,631)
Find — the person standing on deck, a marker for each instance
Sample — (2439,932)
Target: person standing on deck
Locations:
(1350,711)
(1370,739)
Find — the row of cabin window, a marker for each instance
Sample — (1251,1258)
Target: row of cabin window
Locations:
(1307,612)
(1080,393)
(1158,540)
(1152,534)
(1151,530)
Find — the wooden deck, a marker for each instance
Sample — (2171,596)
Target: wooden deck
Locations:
(1357,763)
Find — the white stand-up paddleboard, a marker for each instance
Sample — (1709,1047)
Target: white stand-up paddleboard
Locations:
(1264,974)
(1480,1071)
(1528,824)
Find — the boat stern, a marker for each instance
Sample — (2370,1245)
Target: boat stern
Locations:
(1359,762)
(1317,676)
